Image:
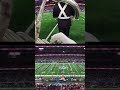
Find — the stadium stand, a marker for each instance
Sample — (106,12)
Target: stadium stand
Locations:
(49,6)
(58,59)
(50,56)
(60,87)
(48,10)
(60,49)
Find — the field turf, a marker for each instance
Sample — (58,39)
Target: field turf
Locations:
(50,69)
(77,31)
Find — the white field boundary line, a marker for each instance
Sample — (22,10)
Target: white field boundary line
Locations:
(59,75)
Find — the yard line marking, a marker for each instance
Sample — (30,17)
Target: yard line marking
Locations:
(40,69)
(45,68)
(36,66)
(57,69)
(70,67)
(81,67)
(75,69)
(67,65)
(50,69)
(66,71)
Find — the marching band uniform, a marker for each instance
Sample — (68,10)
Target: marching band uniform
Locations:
(63,12)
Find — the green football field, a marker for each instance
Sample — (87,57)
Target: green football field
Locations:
(54,69)
(77,31)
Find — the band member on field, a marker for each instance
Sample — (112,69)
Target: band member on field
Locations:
(63,12)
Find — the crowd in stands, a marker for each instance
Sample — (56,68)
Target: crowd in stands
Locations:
(39,2)
(61,50)
(16,78)
(60,79)
(58,83)
(47,86)
(50,5)
(58,59)
(102,78)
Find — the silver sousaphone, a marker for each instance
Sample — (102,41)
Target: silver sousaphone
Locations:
(73,4)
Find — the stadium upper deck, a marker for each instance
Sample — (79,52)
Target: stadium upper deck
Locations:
(39,2)
(78,50)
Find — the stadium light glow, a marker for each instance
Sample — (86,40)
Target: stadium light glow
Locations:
(41,49)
